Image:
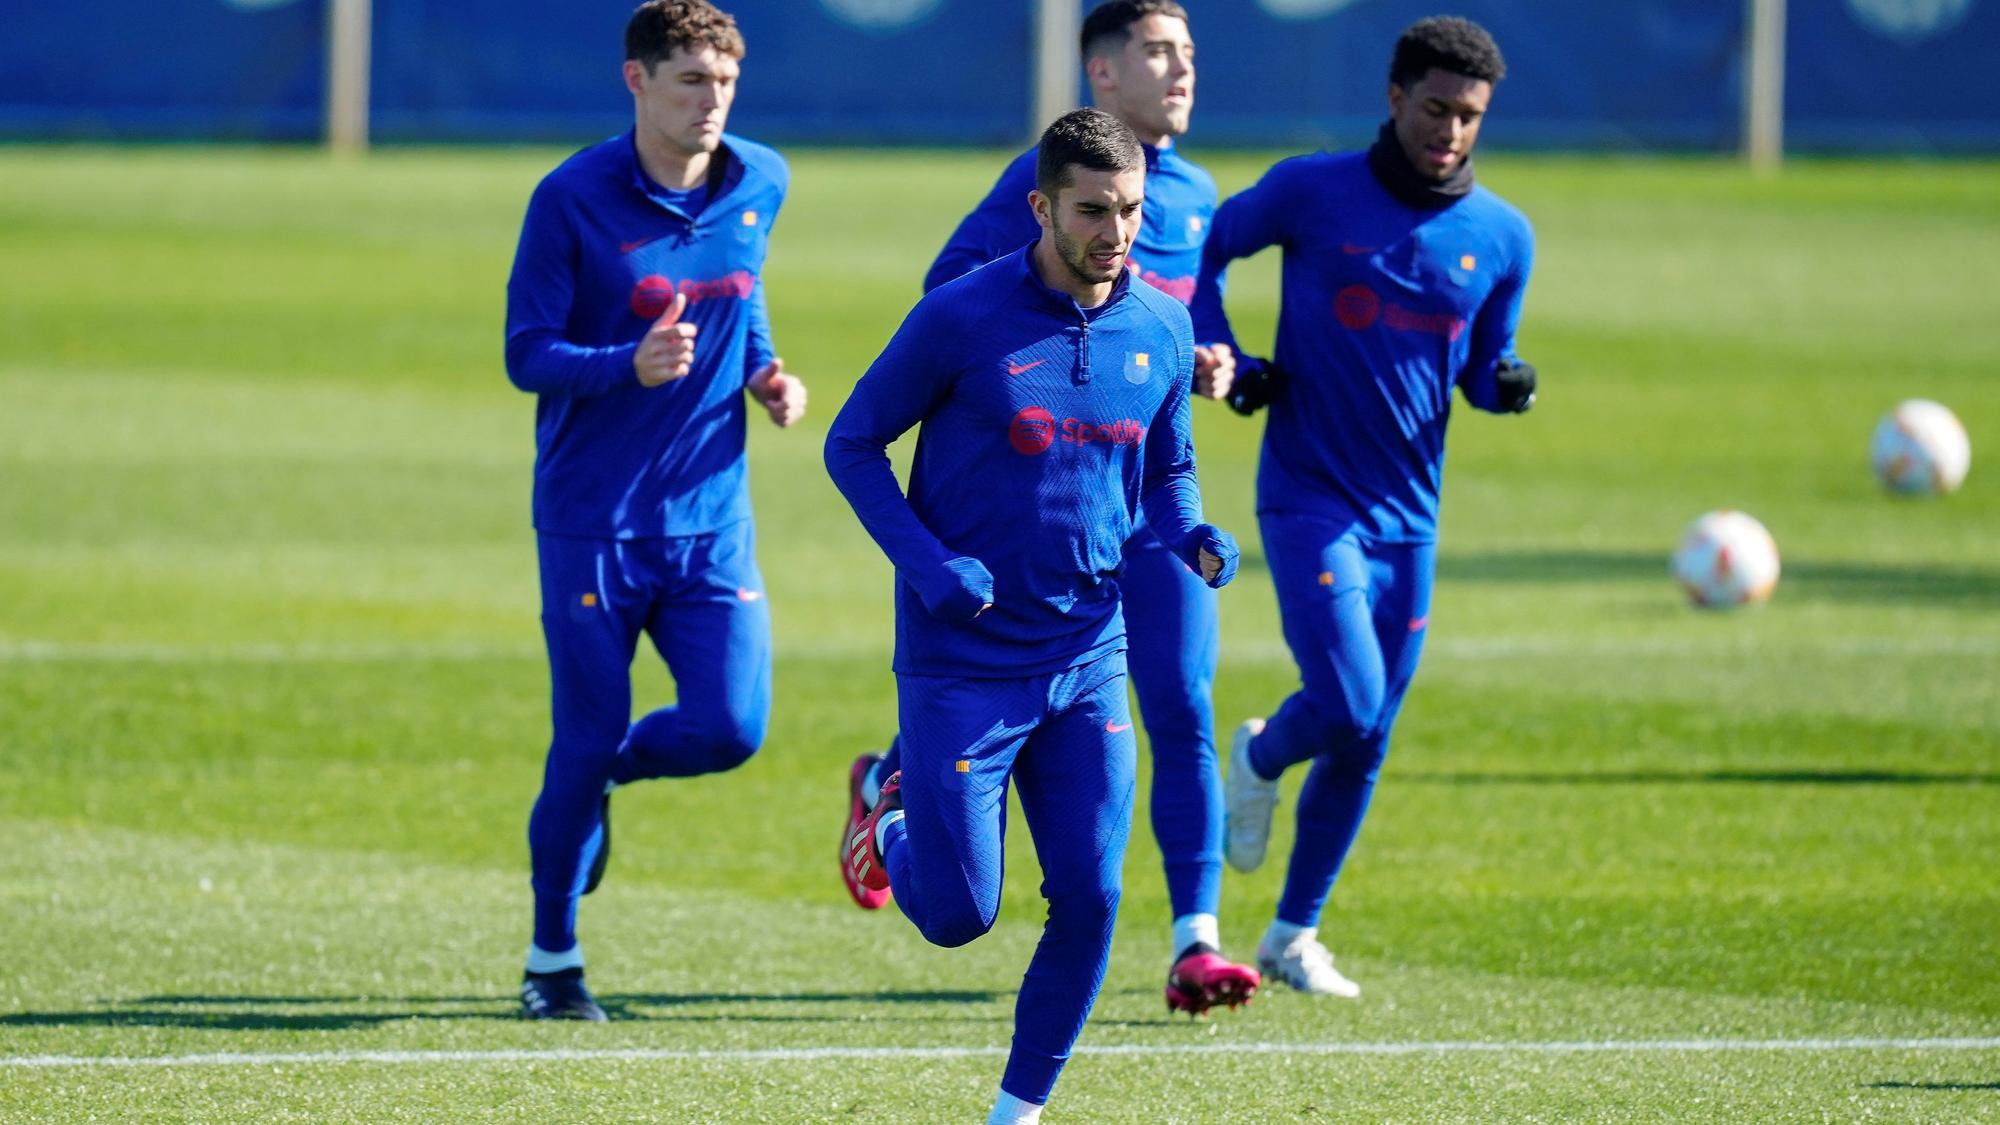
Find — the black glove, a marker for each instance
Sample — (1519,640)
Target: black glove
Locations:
(1258,383)
(1515,380)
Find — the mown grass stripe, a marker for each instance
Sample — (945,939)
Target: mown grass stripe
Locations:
(811,1054)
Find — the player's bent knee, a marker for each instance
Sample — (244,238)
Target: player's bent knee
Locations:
(959,926)
(1339,723)
(1360,758)
(729,743)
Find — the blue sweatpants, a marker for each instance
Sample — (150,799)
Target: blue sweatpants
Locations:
(1354,613)
(1170,622)
(701,601)
(1065,740)
(1171,625)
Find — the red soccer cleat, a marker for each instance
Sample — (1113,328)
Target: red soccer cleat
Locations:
(1203,979)
(861,866)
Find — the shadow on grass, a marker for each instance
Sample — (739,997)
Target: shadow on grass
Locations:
(257,1013)
(1704,777)
(1932,1086)
(1803,578)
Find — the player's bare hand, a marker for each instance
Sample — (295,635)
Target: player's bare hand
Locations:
(784,396)
(666,352)
(1214,370)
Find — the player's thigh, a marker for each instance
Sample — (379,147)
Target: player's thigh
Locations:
(712,626)
(1076,777)
(1324,592)
(1404,574)
(591,619)
(960,740)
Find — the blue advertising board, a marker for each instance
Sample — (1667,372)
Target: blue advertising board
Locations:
(1861,74)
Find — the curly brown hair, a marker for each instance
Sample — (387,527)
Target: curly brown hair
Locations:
(658,28)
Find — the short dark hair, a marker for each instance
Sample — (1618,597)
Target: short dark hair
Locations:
(1446,43)
(658,28)
(1109,25)
(1084,138)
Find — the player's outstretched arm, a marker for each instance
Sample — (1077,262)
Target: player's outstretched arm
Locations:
(1247,222)
(901,388)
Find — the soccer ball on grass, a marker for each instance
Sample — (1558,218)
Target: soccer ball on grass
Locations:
(1920,449)
(1726,559)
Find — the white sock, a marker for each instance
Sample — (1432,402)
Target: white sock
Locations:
(881,833)
(871,784)
(1192,928)
(542,961)
(1010,1110)
(1283,933)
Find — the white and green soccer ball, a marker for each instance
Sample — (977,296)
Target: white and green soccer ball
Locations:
(1726,559)
(1920,449)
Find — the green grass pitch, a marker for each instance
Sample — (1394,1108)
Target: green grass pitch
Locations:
(273,707)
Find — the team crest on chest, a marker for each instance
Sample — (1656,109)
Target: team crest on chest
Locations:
(1138,367)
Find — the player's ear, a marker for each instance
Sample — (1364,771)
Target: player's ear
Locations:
(635,75)
(1042,206)
(1102,71)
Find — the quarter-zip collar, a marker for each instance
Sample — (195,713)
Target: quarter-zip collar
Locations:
(1063,306)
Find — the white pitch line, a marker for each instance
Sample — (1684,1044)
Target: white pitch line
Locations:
(811,1054)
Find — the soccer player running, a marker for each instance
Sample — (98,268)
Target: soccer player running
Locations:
(636,314)
(1139,57)
(1401,279)
(1050,389)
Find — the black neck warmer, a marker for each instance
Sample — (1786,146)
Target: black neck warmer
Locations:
(1400,179)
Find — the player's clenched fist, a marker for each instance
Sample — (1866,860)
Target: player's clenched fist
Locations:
(1214,370)
(666,352)
(784,396)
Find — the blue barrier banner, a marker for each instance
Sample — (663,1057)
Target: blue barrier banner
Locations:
(1581,73)
(1891,74)
(1585,74)
(822,71)
(171,69)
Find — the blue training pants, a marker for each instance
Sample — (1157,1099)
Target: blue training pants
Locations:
(1065,739)
(1171,626)
(1354,613)
(701,600)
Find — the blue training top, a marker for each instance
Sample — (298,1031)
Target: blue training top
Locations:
(1045,426)
(1180,201)
(603,251)
(1384,308)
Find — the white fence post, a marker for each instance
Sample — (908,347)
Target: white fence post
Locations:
(348,34)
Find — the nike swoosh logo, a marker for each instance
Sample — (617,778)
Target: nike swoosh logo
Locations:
(1112,726)
(1351,248)
(1012,369)
(745,593)
(628,247)
(1417,623)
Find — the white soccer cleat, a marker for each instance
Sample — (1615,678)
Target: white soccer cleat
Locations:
(1307,966)
(1247,803)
